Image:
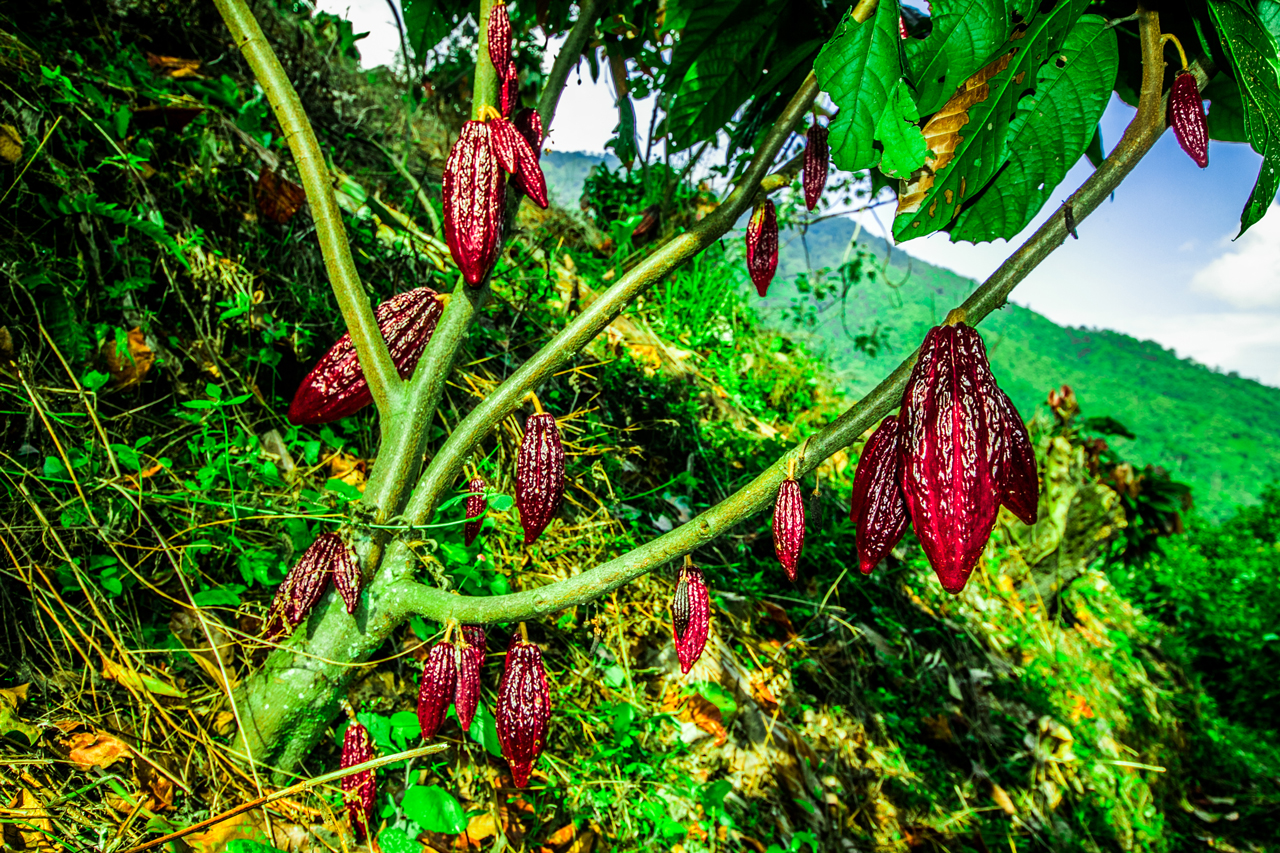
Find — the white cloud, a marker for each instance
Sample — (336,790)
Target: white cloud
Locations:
(1247,275)
(1246,342)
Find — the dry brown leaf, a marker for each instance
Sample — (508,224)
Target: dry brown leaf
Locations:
(27,825)
(10,143)
(348,468)
(95,749)
(172,66)
(130,366)
(1003,800)
(278,199)
(10,722)
(136,681)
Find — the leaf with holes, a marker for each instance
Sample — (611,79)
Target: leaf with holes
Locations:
(897,131)
(965,35)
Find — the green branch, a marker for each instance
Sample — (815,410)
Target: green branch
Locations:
(1138,139)
(566,60)
(375,361)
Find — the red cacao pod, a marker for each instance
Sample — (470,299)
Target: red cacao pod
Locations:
(477,506)
(510,89)
(817,156)
(690,616)
(788,525)
(359,789)
(946,475)
(529,123)
(762,245)
(471,652)
(500,38)
(336,387)
(523,708)
(539,475)
(305,583)
(436,690)
(347,577)
(879,508)
(474,202)
(1186,115)
(516,156)
(902,33)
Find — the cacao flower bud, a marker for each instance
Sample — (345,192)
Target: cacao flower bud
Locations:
(539,475)
(474,201)
(305,583)
(817,156)
(788,525)
(1186,115)
(358,789)
(523,708)
(500,39)
(529,123)
(879,508)
(347,577)
(336,387)
(1012,459)
(516,156)
(690,616)
(439,681)
(946,477)
(466,695)
(477,506)
(510,89)
(762,245)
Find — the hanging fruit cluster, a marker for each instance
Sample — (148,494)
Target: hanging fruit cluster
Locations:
(329,557)
(762,228)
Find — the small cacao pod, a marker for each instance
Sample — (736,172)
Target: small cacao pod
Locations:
(305,583)
(516,156)
(1012,458)
(477,506)
(902,33)
(946,474)
(539,475)
(529,123)
(817,157)
(788,525)
(347,577)
(474,201)
(358,789)
(336,387)
(1186,115)
(523,708)
(762,245)
(471,652)
(500,39)
(436,690)
(690,616)
(879,508)
(510,89)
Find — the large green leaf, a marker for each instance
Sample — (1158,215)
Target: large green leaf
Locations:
(860,68)
(1226,110)
(968,136)
(426,23)
(1050,132)
(1252,53)
(966,35)
(904,145)
(704,23)
(434,809)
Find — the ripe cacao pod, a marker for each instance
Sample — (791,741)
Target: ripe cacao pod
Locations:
(529,123)
(500,39)
(788,525)
(762,245)
(1012,459)
(436,690)
(305,583)
(347,577)
(336,387)
(516,156)
(523,708)
(946,477)
(510,89)
(358,789)
(477,506)
(817,157)
(902,32)
(471,652)
(474,202)
(879,508)
(539,475)
(1186,115)
(690,616)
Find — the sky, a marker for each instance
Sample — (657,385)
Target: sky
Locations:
(1158,261)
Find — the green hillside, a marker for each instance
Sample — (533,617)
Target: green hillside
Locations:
(1220,433)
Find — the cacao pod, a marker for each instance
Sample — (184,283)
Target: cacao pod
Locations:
(436,690)
(879,508)
(474,202)
(347,577)
(305,583)
(817,157)
(516,156)
(477,506)
(471,652)
(336,387)
(510,89)
(946,476)
(529,123)
(902,33)
(1012,458)
(1186,115)
(690,616)
(500,39)
(358,789)
(523,708)
(762,245)
(788,525)
(539,475)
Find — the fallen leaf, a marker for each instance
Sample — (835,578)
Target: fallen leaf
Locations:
(95,749)
(172,66)
(10,722)
(10,143)
(1003,800)
(348,468)
(130,366)
(133,680)
(278,199)
(29,821)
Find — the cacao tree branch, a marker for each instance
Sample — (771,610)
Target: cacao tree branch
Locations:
(484,92)
(1139,137)
(568,58)
(371,349)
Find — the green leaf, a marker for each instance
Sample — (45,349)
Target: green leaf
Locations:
(966,35)
(434,809)
(704,23)
(501,503)
(240,845)
(1094,149)
(484,730)
(219,596)
(1226,110)
(1252,54)
(1050,131)
(904,146)
(968,137)
(426,23)
(859,68)
(393,840)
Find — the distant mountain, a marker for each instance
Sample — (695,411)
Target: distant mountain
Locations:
(1218,432)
